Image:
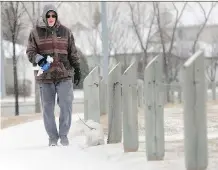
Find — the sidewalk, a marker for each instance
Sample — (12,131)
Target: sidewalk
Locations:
(26,146)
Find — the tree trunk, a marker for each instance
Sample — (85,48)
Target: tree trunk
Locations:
(213,89)
(180,95)
(24,81)
(24,89)
(37,92)
(172,96)
(15,81)
(37,98)
(168,94)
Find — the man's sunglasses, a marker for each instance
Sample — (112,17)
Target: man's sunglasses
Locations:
(49,16)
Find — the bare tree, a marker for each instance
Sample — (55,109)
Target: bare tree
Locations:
(211,70)
(139,24)
(94,33)
(171,63)
(117,37)
(173,67)
(168,51)
(212,65)
(33,15)
(12,13)
(206,17)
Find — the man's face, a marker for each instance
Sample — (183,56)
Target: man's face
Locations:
(51,18)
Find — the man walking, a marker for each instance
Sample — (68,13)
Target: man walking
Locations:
(51,38)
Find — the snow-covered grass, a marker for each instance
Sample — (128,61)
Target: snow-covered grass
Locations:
(24,147)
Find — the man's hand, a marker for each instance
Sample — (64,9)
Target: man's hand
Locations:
(40,60)
(77,76)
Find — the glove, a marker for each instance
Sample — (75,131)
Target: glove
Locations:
(44,65)
(40,60)
(77,76)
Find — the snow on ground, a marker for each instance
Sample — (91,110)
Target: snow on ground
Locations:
(24,147)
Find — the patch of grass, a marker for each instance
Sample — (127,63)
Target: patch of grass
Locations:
(212,102)
(15,120)
(173,105)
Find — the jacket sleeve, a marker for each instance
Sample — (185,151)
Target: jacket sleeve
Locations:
(31,50)
(72,52)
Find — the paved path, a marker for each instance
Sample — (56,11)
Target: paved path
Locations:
(24,147)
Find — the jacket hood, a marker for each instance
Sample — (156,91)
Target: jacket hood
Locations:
(42,22)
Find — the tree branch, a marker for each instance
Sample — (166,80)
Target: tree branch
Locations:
(136,27)
(156,9)
(30,17)
(58,6)
(203,25)
(149,32)
(175,25)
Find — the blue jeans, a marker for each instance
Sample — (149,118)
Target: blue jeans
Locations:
(64,91)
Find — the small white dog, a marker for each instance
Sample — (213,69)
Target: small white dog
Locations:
(92,131)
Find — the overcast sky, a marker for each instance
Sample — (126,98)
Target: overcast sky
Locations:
(192,15)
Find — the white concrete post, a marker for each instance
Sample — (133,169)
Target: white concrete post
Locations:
(130,111)
(154,109)
(114,105)
(91,96)
(195,122)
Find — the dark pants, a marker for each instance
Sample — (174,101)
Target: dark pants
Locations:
(64,91)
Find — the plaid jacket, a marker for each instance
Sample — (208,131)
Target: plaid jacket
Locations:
(59,44)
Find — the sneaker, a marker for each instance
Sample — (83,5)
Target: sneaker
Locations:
(64,141)
(53,142)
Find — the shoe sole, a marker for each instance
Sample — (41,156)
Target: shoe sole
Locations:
(53,145)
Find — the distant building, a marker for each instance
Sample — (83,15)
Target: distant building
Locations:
(208,35)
